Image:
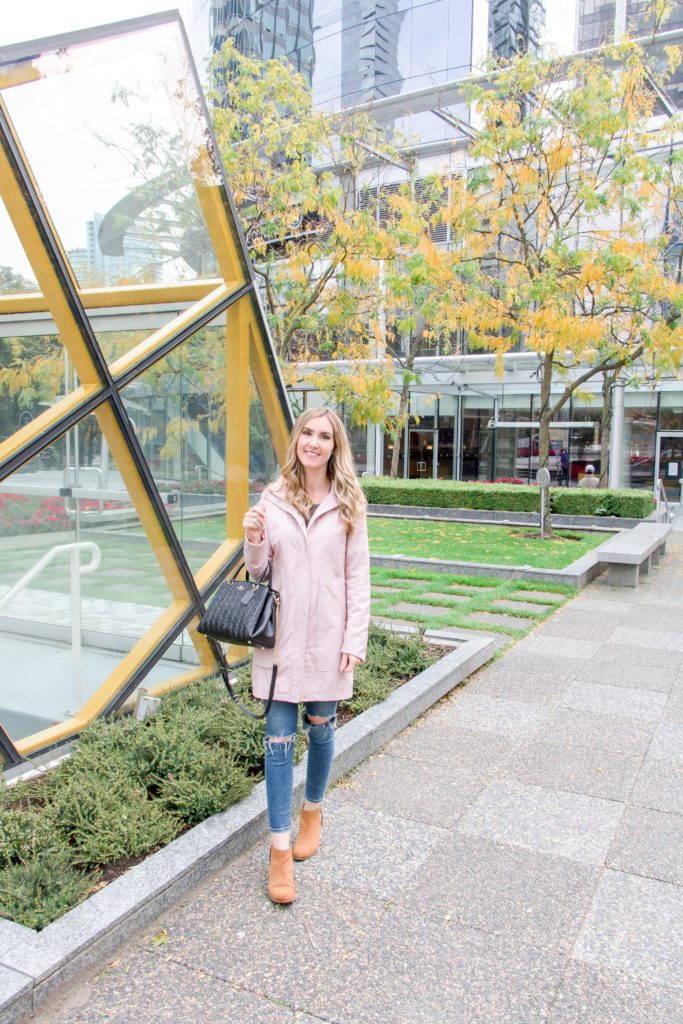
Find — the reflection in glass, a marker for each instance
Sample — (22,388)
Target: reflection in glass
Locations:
(640,425)
(16,275)
(118,145)
(71,493)
(35,372)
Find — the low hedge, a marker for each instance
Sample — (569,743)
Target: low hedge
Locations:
(382,490)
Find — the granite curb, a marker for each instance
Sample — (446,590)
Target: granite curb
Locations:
(579,574)
(33,963)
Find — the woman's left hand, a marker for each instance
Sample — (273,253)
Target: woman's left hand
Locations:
(348,662)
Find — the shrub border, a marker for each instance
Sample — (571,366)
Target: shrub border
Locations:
(33,964)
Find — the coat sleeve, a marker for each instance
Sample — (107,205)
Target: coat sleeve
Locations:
(357,590)
(258,557)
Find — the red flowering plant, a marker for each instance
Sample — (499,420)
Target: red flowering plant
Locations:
(20,514)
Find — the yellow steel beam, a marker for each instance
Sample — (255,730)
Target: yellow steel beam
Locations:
(35,429)
(147,347)
(237,416)
(18,74)
(265,385)
(213,201)
(115,296)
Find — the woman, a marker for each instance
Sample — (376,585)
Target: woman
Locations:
(309,532)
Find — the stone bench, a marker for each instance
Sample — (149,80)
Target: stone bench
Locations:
(631,553)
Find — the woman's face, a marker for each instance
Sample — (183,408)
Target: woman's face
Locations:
(316,443)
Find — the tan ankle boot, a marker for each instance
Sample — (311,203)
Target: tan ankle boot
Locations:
(281,888)
(308,840)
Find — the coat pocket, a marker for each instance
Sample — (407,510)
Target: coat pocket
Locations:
(330,623)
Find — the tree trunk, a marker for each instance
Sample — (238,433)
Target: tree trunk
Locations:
(401,421)
(544,438)
(608,381)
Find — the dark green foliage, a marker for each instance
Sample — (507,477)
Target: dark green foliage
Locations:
(43,888)
(130,786)
(450,494)
(204,787)
(23,834)
(109,816)
(630,504)
(390,659)
(577,501)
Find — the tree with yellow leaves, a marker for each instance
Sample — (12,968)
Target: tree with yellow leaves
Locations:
(560,222)
(304,181)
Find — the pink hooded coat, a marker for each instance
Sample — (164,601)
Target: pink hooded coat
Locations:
(323,576)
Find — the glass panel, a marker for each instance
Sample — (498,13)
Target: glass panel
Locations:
(448,405)
(139,325)
(671,466)
(114,133)
(362,441)
(16,275)
(421,466)
(117,602)
(640,426)
(671,410)
(263,463)
(177,407)
(423,409)
(35,372)
(477,438)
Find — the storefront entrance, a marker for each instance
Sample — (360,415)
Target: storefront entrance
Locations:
(422,446)
(669,463)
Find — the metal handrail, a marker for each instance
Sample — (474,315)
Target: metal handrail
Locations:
(660,496)
(75,572)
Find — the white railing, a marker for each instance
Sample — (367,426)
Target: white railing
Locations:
(660,498)
(76,570)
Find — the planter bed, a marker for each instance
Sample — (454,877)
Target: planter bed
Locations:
(33,963)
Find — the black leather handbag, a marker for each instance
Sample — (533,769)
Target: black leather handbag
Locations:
(245,612)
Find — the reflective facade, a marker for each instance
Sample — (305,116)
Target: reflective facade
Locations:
(363,50)
(602,21)
(140,398)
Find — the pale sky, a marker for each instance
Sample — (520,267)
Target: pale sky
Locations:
(39,18)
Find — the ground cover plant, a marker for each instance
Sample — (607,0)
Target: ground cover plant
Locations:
(130,787)
(438,600)
(473,542)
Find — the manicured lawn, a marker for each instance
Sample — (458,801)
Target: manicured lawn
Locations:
(470,542)
(440,600)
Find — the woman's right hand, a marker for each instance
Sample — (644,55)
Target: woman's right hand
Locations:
(254,523)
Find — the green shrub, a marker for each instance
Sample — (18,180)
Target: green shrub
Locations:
(577,501)
(23,834)
(382,490)
(390,659)
(109,816)
(204,787)
(43,888)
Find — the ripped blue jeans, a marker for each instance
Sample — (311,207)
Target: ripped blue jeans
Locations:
(282,725)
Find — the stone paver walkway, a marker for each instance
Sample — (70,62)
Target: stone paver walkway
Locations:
(512,858)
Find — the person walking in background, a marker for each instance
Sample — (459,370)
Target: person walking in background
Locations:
(564,467)
(309,532)
(590,479)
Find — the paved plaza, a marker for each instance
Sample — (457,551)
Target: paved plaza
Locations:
(513,857)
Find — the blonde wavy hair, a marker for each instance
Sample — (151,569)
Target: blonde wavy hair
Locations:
(340,470)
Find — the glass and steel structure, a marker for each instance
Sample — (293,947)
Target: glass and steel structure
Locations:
(141,401)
